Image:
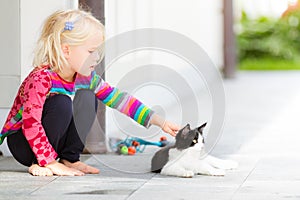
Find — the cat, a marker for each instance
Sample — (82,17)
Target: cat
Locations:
(185,157)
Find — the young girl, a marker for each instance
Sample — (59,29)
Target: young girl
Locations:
(45,122)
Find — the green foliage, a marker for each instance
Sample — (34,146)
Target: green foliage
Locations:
(268,64)
(270,39)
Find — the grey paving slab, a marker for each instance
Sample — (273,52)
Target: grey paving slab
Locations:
(261,132)
(277,168)
(181,190)
(254,101)
(15,183)
(199,187)
(272,178)
(90,185)
(275,189)
(136,165)
(260,196)
(10,165)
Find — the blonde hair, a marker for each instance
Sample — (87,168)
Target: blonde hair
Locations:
(48,50)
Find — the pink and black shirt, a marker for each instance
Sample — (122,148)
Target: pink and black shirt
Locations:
(26,112)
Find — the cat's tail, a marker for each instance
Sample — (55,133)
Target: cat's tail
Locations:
(155,170)
(159,160)
(157,164)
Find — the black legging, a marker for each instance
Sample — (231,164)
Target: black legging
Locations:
(66,127)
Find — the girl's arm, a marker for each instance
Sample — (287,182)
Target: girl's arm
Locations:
(124,102)
(132,107)
(36,87)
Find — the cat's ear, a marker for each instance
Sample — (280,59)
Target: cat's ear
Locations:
(182,133)
(186,129)
(200,128)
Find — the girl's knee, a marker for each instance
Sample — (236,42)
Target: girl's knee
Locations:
(85,100)
(58,104)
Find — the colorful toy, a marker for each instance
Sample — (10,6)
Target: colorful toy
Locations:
(122,149)
(132,145)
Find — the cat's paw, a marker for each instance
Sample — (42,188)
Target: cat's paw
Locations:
(187,174)
(178,172)
(213,172)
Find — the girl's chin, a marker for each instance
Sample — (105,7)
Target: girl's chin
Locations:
(85,73)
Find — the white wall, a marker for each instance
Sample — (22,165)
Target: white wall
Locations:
(31,19)
(20,22)
(9,51)
(201,22)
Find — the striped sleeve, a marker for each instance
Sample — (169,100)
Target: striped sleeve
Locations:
(124,102)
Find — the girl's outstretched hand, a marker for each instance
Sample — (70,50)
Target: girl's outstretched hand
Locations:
(166,126)
(170,128)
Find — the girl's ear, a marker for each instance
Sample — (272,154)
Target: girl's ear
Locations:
(66,50)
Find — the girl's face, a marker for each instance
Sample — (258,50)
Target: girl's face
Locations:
(85,57)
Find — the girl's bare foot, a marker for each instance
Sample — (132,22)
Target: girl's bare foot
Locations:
(81,166)
(62,170)
(37,170)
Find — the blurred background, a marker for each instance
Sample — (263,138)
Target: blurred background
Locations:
(267,34)
(253,45)
(237,35)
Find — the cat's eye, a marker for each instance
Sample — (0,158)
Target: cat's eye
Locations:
(195,141)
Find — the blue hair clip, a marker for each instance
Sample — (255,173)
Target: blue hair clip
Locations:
(69,26)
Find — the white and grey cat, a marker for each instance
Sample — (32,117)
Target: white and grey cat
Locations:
(185,157)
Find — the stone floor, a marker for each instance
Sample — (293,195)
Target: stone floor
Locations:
(261,132)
